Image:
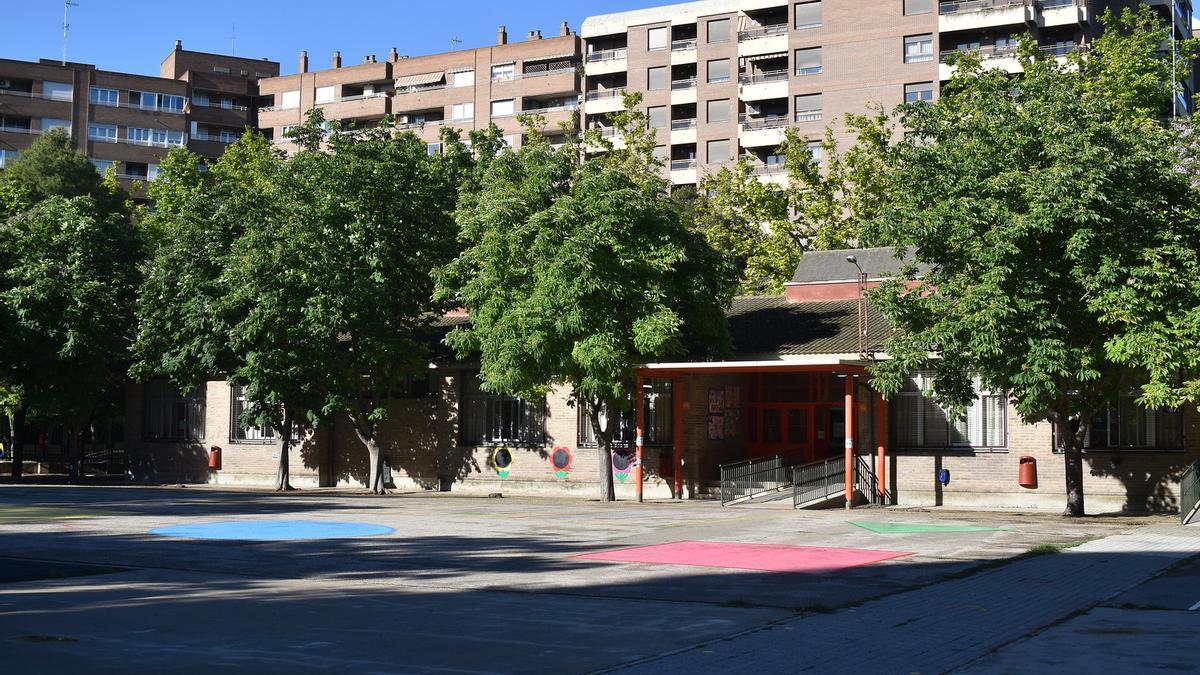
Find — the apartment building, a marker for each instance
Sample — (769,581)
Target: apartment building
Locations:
(202,101)
(465,90)
(723,79)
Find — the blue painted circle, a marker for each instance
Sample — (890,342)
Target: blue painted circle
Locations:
(273,530)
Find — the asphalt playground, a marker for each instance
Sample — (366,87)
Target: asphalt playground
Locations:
(130,579)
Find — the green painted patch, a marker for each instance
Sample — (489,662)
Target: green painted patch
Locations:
(918,528)
(34,514)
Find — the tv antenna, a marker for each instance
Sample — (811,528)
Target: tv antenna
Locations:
(67,5)
(455,42)
(233,41)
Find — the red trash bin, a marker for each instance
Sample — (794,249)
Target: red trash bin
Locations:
(214,458)
(1027,475)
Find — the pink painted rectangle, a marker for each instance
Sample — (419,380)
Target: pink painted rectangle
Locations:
(761,557)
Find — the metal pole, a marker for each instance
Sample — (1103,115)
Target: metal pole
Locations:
(677,429)
(638,399)
(849,421)
(1174,78)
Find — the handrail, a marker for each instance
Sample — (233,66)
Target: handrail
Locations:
(757,78)
(755,476)
(762,31)
(964,6)
(684,45)
(818,481)
(607,55)
(601,94)
(1189,493)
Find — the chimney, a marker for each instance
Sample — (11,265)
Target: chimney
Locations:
(502,36)
(395,55)
(304,62)
(178,45)
(337,59)
(534,35)
(564,30)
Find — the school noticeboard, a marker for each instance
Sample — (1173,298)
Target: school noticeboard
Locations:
(724,412)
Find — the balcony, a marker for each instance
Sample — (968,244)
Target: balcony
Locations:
(359,106)
(1004,57)
(65,97)
(683,132)
(215,104)
(688,45)
(683,164)
(683,85)
(980,14)
(1063,13)
(20,130)
(760,86)
(809,115)
(683,92)
(604,100)
(605,61)
(574,105)
(769,122)
(757,132)
(763,40)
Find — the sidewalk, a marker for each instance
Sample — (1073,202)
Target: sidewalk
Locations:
(948,625)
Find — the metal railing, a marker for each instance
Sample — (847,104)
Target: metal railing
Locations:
(752,477)
(361,97)
(554,108)
(1189,492)
(49,96)
(683,125)
(809,115)
(762,32)
(818,481)
(20,130)
(601,94)
(682,164)
(683,45)
(211,104)
(607,55)
(984,52)
(769,122)
(964,6)
(682,85)
(759,78)
(767,169)
(545,73)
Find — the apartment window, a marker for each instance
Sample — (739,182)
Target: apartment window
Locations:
(7,156)
(718,111)
(718,30)
(502,108)
(138,135)
(912,7)
(503,72)
(285,130)
(918,92)
(290,99)
(462,111)
(102,132)
(152,171)
(658,418)
(510,141)
(323,95)
(1124,424)
(662,152)
(462,78)
(921,423)
(172,415)
(660,117)
(918,48)
(658,39)
(657,78)
(817,152)
(102,96)
(102,165)
(49,123)
(261,75)
(200,98)
(718,71)
(433,149)
(151,101)
(808,61)
(492,419)
(808,108)
(718,152)
(229,136)
(808,15)
(240,431)
(224,70)
(58,91)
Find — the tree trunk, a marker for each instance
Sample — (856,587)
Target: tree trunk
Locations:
(1072,447)
(365,430)
(283,473)
(15,452)
(608,492)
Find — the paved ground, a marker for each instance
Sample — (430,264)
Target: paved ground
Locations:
(494,585)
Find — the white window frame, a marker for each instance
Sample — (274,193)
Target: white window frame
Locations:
(109,134)
(810,24)
(505,107)
(325,94)
(984,425)
(289,99)
(462,78)
(504,72)
(662,45)
(462,112)
(102,96)
(918,48)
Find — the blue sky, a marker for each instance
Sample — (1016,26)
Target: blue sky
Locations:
(135,35)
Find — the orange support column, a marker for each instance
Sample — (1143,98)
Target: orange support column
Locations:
(677,428)
(849,441)
(881,435)
(640,412)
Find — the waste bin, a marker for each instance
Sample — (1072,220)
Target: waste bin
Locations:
(1027,474)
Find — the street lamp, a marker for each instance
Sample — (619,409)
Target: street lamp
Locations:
(862,310)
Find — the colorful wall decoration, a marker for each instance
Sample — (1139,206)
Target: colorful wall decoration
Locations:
(561,460)
(623,461)
(502,461)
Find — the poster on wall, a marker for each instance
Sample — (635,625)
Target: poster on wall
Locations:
(716,401)
(733,396)
(733,423)
(716,426)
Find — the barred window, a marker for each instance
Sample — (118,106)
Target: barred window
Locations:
(658,403)
(493,419)
(1126,424)
(242,432)
(171,415)
(919,422)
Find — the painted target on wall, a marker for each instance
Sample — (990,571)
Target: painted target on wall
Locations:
(502,461)
(561,460)
(623,462)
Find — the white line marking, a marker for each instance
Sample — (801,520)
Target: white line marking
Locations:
(1194,607)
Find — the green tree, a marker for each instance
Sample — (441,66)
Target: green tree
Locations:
(331,285)
(1033,201)
(67,289)
(577,271)
(53,166)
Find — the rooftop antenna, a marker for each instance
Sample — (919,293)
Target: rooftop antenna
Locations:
(67,5)
(233,41)
(455,42)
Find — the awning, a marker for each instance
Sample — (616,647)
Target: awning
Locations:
(762,57)
(551,57)
(422,79)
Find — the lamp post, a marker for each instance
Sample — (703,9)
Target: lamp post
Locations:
(862,310)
